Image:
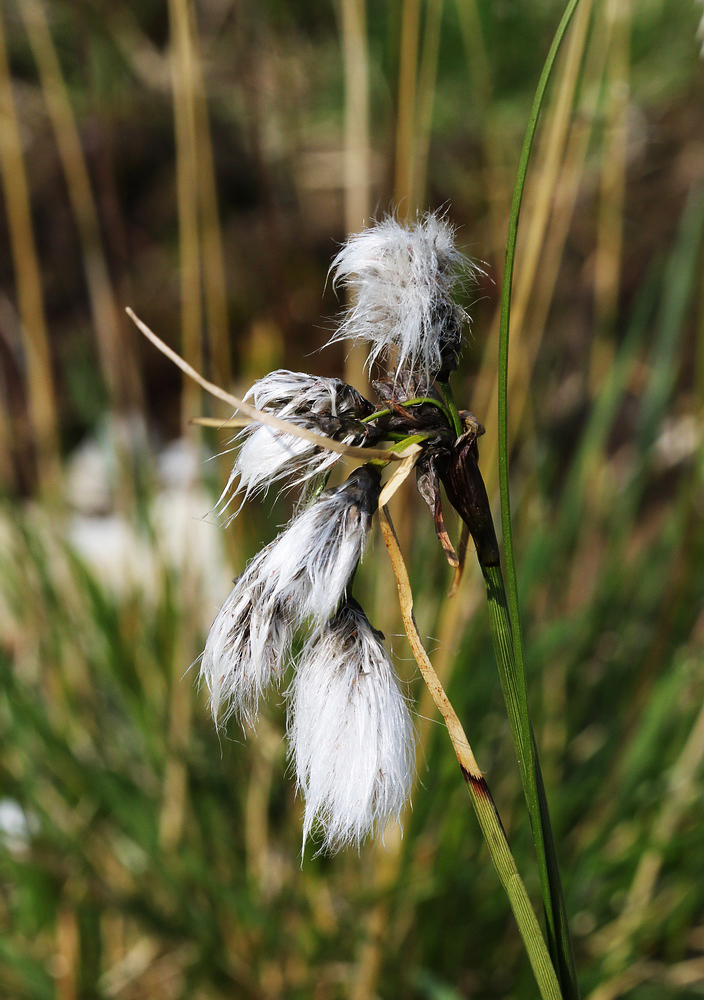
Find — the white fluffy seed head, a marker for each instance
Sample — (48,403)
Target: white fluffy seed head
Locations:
(266,455)
(402,278)
(302,574)
(286,393)
(310,565)
(350,732)
(247,646)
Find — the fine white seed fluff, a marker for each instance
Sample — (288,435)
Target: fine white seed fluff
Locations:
(402,278)
(309,566)
(246,648)
(267,455)
(350,732)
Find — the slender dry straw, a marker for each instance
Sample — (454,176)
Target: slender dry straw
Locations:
(355,57)
(261,415)
(616,939)
(550,197)
(174,790)
(117,361)
(405,132)
(184,105)
(41,393)
(214,273)
(477,787)
(609,246)
(6,468)
(427,85)
(496,178)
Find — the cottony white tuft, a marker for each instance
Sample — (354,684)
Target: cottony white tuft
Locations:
(302,574)
(402,279)
(246,648)
(350,732)
(311,564)
(297,392)
(267,455)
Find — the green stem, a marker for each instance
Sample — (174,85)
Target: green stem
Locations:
(416,401)
(514,690)
(503,603)
(514,887)
(504,329)
(374,416)
(482,801)
(408,441)
(401,445)
(451,406)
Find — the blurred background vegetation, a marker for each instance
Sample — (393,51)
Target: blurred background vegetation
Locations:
(200,161)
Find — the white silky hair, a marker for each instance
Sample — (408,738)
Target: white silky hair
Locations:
(247,647)
(297,392)
(302,574)
(267,455)
(311,564)
(402,278)
(350,732)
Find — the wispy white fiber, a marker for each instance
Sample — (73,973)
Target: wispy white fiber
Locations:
(310,565)
(247,646)
(402,278)
(350,732)
(302,574)
(266,455)
(289,392)
(700,33)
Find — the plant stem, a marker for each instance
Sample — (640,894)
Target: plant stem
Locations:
(451,406)
(416,401)
(374,416)
(503,602)
(480,795)
(513,685)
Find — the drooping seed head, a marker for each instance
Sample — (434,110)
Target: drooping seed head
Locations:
(285,393)
(310,565)
(325,405)
(247,646)
(350,732)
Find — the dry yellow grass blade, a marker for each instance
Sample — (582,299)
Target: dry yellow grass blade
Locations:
(497,177)
(460,743)
(427,80)
(183,85)
(400,473)
(261,416)
(480,796)
(214,280)
(405,125)
(615,941)
(221,424)
(41,393)
(609,247)
(355,56)
(545,202)
(118,365)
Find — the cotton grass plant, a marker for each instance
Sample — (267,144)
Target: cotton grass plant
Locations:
(350,733)
(401,279)
(153,856)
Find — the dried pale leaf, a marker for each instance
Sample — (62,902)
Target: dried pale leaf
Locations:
(400,473)
(260,415)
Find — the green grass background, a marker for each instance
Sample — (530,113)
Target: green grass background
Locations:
(201,163)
